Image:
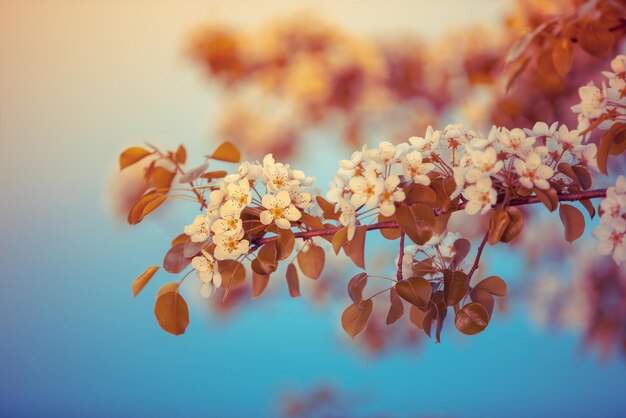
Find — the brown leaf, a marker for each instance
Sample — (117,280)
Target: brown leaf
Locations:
(214,175)
(327,208)
(180,239)
(389,233)
(396,310)
(141,281)
(418,193)
(548,198)
(471,319)
(595,38)
(191,175)
(416,316)
(192,248)
(175,260)
(494,285)
(311,221)
(417,221)
(462,248)
(415,290)
(588,204)
(356,286)
(356,248)
(573,221)
(227,152)
(515,226)
(312,262)
(562,56)
(292,281)
(354,319)
(162,178)
(145,205)
(285,244)
(455,286)
(584,178)
(233,274)
(181,154)
(171,310)
(497,225)
(132,155)
(259,284)
(484,298)
(339,239)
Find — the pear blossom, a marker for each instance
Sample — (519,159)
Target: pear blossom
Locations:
(276,174)
(446,247)
(480,197)
(347,217)
(207,271)
(366,190)
(230,222)
(336,190)
(199,230)
(415,169)
(484,164)
(239,193)
(532,172)
(230,247)
(612,239)
(391,194)
(385,154)
(301,200)
(353,166)
(516,142)
(279,210)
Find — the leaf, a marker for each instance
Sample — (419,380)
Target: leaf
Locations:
(442,312)
(416,316)
(604,148)
(588,204)
(515,70)
(494,285)
(175,260)
(292,281)
(584,178)
(396,310)
(327,208)
(417,221)
(285,244)
(418,193)
(132,155)
(497,225)
(141,281)
(471,319)
(259,284)
(171,310)
(145,205)
(595,38)
(191,175)
(485,299)
(339,239)
(354,320)
(312,262)
(192,248)
(573,221)
(562,56)
(180,239)
(548,198)
(455,286)
(226,152)
(214,174)
(356,286)
(462,248)
(162,178)
(181,154)
(233,274)
(515,226)
(415,290)
(356,248)
(311,221)
(389,233)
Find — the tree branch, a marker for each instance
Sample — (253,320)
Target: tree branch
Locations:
(565,197)
(400,257)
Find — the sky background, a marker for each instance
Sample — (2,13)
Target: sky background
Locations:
(81,80)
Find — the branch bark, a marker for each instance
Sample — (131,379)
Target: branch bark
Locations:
(565,197)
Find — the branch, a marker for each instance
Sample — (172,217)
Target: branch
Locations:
(529,200)
(478,254)
(400,257)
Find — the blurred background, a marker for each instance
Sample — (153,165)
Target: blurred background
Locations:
(309,81)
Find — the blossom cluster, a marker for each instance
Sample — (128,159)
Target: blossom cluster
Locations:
(287,193)
(604,104)
(611,232)
(483,167)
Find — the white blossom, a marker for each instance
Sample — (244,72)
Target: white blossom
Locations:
(279,210)
(532,172)
(480,197)
(198,231)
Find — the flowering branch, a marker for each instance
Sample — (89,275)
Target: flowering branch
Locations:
(564,197)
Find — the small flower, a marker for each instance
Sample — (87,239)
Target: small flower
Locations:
(276,174)
(301,200)
(485,163)
(593,101)
(516,142)
(385,154)
(207,269)
(347,217)
(198,231)
(336,190)
(230,222)
(415,169)
(354,166)
(239,193)
(279,209)
(429,143)
(532,172)
(390,195)
(446,247)
(366,190)
(612,239)
(230,247)
(481,197)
